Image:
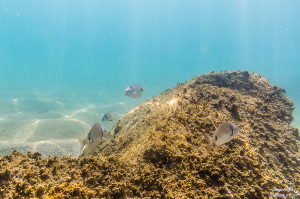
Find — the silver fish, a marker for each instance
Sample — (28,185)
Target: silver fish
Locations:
(134,91)
(93,139)
(223,134)
(110,116)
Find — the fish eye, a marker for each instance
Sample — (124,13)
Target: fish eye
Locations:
(216,138)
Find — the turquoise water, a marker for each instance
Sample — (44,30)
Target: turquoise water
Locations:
(65,63)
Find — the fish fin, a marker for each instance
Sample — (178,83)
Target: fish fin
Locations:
(143,89)
(82,142)
(209,140)
(83,151)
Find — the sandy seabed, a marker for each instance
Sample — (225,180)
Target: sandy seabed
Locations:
(52,122)
(158,149)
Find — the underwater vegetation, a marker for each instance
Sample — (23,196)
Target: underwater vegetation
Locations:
(159,150)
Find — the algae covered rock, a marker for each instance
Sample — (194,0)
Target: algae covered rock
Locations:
(158,148)
(166,132)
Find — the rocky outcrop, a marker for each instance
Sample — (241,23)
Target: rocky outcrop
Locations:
(158,149)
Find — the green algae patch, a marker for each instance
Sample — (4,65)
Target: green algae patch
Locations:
(158,149)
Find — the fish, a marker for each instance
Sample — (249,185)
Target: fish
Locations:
(134,91)
(224,133)
(110,116)
(93,139)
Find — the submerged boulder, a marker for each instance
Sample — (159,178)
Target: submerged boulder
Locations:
(166,133)
(158,149)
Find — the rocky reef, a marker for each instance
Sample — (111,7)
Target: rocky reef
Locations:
(158,148)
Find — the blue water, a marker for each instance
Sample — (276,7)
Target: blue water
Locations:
(76,55)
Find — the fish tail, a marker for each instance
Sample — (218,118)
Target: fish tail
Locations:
(209,140)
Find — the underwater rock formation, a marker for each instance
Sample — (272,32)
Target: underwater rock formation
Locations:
(158,149)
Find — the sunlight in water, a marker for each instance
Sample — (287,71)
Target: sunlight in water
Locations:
(172,101)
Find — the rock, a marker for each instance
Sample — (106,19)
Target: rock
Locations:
(158,149)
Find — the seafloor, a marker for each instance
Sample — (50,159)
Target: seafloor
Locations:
(158,149)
